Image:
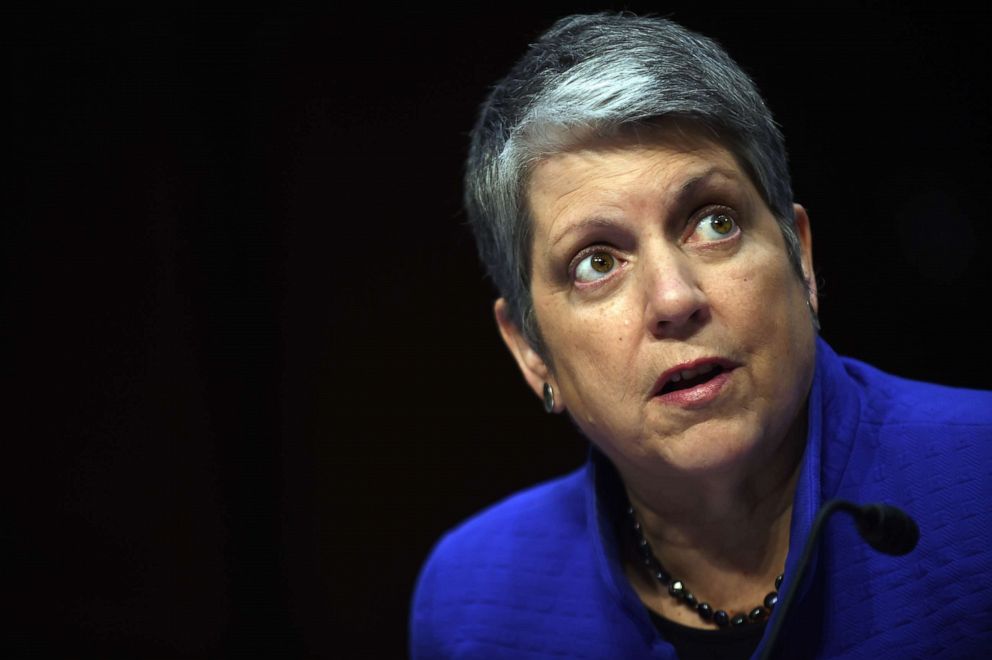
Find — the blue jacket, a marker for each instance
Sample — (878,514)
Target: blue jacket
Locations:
(538,575)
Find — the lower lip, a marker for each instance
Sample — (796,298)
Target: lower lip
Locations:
(698,396)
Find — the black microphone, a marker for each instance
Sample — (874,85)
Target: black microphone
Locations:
(884,527)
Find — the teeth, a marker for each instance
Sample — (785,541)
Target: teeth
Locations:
(691,373)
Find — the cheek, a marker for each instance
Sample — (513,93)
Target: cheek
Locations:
(593,331)
(594,350)
(761,286)
(768,315)
(762,305)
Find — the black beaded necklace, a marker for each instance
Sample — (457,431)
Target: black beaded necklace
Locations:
(680,592)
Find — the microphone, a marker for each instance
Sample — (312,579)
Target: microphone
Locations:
(884,527)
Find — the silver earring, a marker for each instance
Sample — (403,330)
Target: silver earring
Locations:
(549,398)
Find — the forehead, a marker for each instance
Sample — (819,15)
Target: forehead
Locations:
(630,171)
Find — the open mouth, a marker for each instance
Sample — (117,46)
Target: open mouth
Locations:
(683,380)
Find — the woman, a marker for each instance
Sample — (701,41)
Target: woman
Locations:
(630,197)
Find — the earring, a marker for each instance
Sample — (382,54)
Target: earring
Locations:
(813,315)
(549,398)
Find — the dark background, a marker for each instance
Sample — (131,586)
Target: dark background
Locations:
(252,373)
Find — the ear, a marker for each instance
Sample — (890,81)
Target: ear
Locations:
(806,257)
(532,366)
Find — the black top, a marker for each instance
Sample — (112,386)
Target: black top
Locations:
(735,643)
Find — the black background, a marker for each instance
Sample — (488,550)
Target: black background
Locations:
(252,373)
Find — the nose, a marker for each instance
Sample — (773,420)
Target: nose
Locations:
(675,303)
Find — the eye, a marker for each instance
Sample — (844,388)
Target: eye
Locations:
(715,227)
(595,266)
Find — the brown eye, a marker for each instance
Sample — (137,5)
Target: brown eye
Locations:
(601,262)
(594,267)
(722,224)
(715,227)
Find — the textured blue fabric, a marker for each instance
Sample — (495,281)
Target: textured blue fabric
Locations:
(538,575)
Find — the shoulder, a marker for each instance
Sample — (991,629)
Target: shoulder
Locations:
(927,449)
(531,519)
(897,427)
(558,502)
(924,447)
(889,399)
(500,569)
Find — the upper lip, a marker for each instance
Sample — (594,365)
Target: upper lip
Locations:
(692,364)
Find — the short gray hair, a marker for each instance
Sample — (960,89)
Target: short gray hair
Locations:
(592,76)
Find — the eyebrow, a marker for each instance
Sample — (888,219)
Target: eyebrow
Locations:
(689,187)
(594,222)
(683,193)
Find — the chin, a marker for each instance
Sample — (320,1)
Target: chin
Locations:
(715,451)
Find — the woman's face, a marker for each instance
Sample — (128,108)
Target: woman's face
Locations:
(677,332)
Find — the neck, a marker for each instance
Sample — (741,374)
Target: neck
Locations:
(725,534)
(720,507)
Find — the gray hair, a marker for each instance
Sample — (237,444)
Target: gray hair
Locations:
(593,76)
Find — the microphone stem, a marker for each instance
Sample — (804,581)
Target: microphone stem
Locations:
(782,608)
